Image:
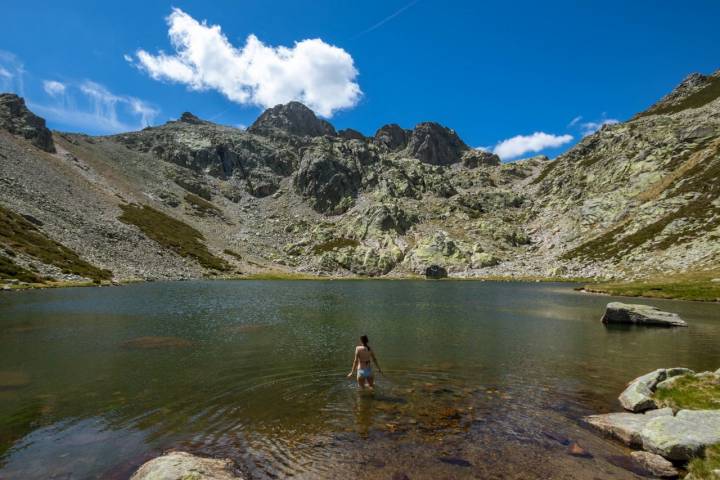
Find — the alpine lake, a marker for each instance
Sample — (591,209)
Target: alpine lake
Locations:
(481,379)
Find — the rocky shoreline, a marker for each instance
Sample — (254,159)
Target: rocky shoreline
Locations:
(668,434)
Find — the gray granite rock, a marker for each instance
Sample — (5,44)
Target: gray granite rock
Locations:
(637,397)
(626,427)
(655,464)
(635,314)
(683,436)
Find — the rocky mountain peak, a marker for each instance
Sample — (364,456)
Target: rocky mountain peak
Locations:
(293,118)
(392,136)
(188,117)
(694,91)
(17,119)
(435,144)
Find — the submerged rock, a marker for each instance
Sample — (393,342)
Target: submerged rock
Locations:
(683,436)
(635,314)
(655,464)
(577,451)
(13,379)
(183,466)
(626,427)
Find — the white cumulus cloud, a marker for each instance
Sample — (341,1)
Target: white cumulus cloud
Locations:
(521,144)
(53,87)
(320,75)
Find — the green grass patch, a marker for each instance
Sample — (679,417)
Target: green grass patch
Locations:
(705,95)
(19,235)
(702,468)
(685,286)
(691,392)
(173,234)
(11,270)
(202,207)
(335,244)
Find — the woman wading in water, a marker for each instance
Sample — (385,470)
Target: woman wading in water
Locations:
(364,357)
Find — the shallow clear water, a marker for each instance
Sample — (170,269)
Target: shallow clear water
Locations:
(483,379)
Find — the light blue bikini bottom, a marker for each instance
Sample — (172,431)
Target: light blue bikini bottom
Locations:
(364,372)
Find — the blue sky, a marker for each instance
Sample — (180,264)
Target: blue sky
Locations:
(493,71)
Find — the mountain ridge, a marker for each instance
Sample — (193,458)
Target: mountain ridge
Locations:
(292,194)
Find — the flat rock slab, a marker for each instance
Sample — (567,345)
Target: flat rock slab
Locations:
(636,314)
(683,436)
(626,427)
(655,464)
(184,466)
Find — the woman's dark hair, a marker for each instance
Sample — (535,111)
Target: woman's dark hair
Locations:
(364,340)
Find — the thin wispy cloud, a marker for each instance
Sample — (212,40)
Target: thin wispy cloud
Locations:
(12,72)
(386,19)
(588,128)
(575,121)
(520,145)
(91,106)
(320,75)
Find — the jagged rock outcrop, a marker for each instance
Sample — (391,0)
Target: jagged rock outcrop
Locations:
(188,117)
(293,118)
(351,134)
(694,91)
(392,136)
(474,158)
(435,144)
(17,119)
(331,173)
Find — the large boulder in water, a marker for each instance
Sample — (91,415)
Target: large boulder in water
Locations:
(17,119)
(684,436)
(634,314)
(183,466)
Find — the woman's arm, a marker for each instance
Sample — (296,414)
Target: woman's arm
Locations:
(372,354)
(354,365)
